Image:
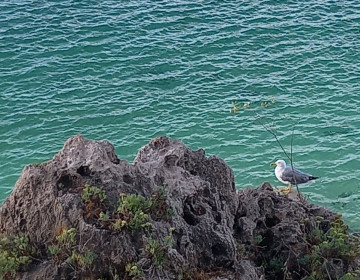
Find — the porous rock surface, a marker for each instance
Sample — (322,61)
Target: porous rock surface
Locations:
(210,220)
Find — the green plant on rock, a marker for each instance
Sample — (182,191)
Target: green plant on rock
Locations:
(119,224)
(336,243)
(139,220)
(131,212)
(104,217)
(134,270)
(132,203)
(67,238)
(351,276)
(15,253)
(91,193)
(64,248)
(157,252)
(157,249)
(93,199)
(241,251)
(82,260)
(158,207)
(134,211)
(54,249)
(63,245)
(168,240)
(36,164)
(275,267)
(258,239)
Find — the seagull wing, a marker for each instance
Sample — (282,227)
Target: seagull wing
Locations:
(296,176)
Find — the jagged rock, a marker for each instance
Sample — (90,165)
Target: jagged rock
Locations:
(199,190)
(276,228)
(205,229)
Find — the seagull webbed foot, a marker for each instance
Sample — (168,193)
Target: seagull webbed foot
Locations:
(286,190)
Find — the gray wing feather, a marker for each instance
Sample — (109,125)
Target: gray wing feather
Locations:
(296,177)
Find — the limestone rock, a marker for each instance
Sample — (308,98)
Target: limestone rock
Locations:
(197,225)
(200,193)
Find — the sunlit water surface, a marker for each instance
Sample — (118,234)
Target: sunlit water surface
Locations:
(128,71)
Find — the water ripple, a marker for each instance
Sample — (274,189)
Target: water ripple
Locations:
(131,71)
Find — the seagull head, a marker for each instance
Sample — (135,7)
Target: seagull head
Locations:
(280,163)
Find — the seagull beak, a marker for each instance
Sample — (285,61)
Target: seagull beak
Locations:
(272,164)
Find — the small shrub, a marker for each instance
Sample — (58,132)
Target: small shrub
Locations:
(67,238)
(104,217)
(131,212)
(132,203)
(134,270)
(336,243)
(64,248)
(158,208)
(168,240)
(351,276)
(54,249)
(157,252)
(258,239)
(93,198)
(61,248)
(157,249)
(15,253)
(119,224)
(82,260)
(138,221)
(94,194)
(241,251)
(275,267)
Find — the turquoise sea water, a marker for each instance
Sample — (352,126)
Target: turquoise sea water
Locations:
(128,71)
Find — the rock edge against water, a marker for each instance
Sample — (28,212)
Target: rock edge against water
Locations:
(172,214)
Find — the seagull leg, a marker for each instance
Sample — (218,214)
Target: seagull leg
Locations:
(287,189)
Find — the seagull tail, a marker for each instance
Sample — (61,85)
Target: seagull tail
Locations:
(313,178)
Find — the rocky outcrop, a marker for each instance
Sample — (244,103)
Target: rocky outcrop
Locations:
(172,214)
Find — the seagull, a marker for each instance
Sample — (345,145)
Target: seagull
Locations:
(288,175)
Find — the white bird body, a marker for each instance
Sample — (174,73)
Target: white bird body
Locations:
(288,175)
(278,172)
